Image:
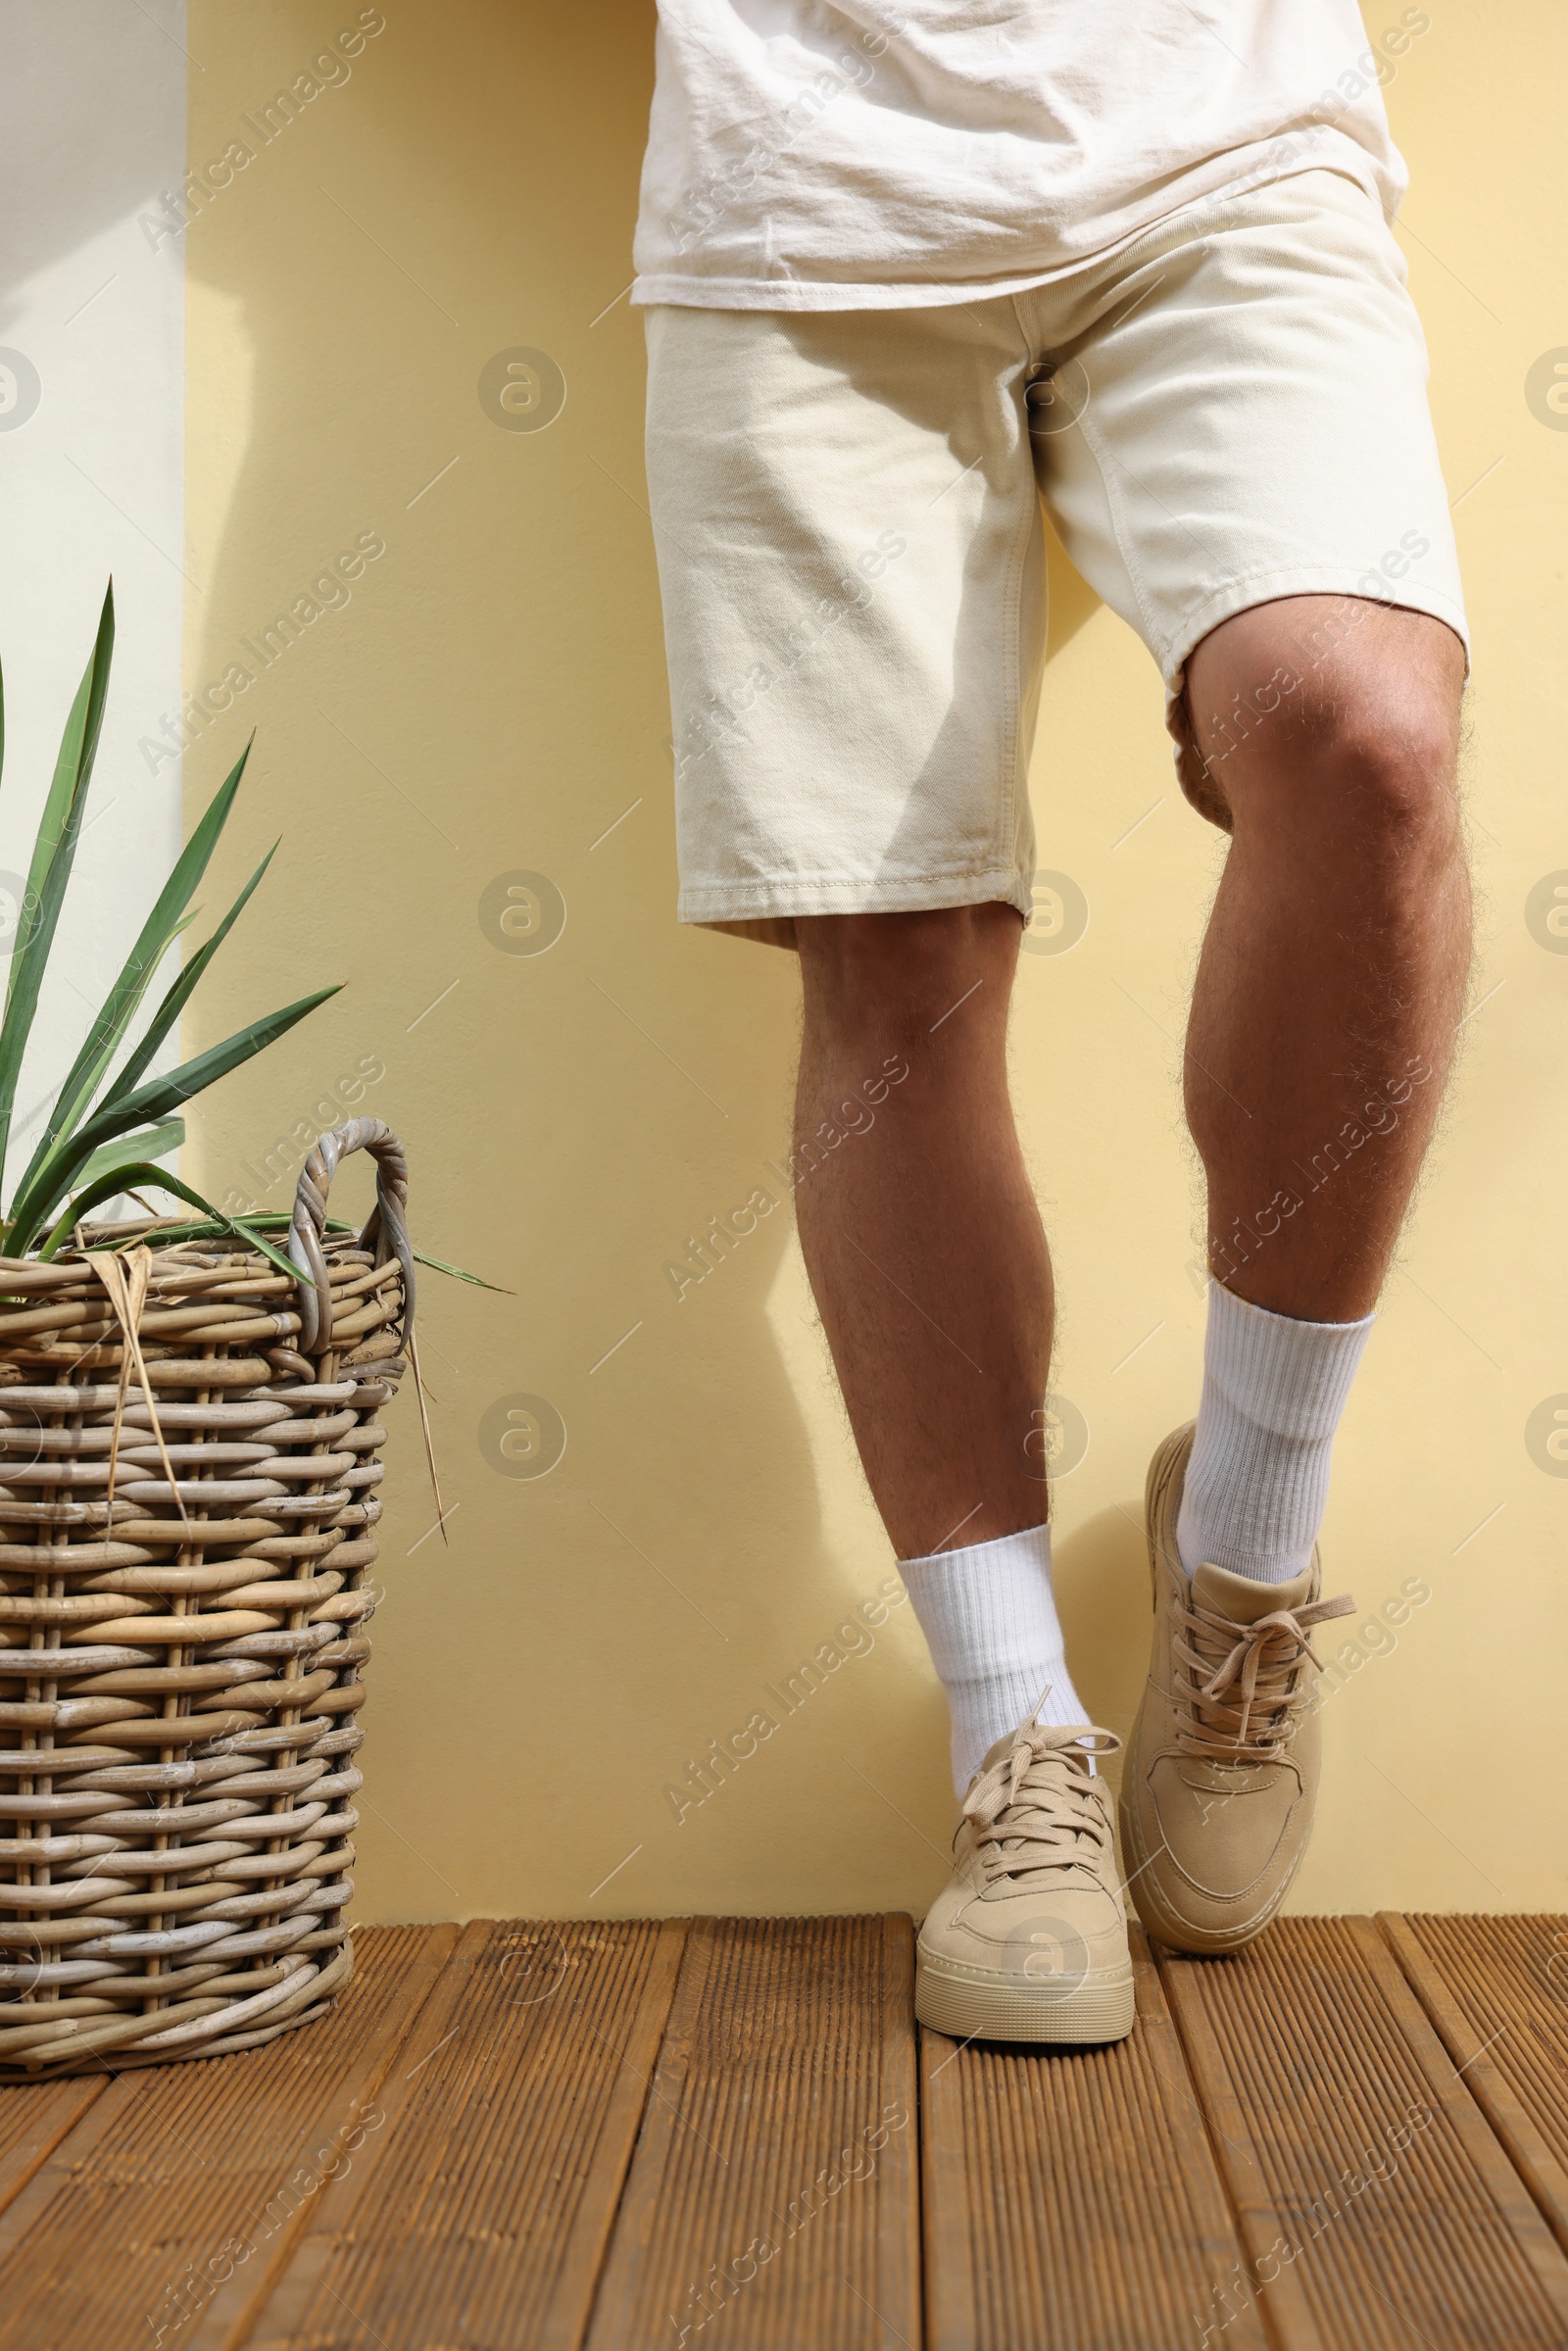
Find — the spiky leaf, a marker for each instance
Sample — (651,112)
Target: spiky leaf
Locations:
(152,1101)
(159,1178)
(53,853)
(148,1143)
(457,1275)
(169,917)
(179,995)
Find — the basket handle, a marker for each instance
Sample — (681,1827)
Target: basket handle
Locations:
(386,1228)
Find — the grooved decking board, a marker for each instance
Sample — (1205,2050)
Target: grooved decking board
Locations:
(1496,1989)
(478,2217)
(1316,2060)
(490,2198)
(774,2191)
(116,2235)
(33,2120)
(1071,2198)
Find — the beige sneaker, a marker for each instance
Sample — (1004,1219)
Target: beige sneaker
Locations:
(1029,1940)
(1222,1769)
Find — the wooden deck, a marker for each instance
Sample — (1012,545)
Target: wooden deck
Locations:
(515,2136)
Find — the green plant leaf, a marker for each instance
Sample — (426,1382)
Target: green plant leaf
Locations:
(247,1232)
(255,1225)
(255,1220)
(457,1274)
(264,1221)
(78,748)
(179,995)
(158,1178)
(106,1187)
(171,914)
(152,1101)
(85,1074)
(147,1144)
(50,870)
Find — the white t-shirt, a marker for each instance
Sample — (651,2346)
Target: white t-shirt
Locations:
(803,156)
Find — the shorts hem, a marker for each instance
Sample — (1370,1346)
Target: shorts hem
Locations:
(725,904)
(1271,587)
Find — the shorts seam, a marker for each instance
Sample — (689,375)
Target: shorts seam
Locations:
(1014,765)
(1013,754)
(1099,451)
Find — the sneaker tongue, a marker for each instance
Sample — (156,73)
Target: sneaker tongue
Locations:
(1243,1599)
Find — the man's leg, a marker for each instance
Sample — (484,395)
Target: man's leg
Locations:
(1323,1021)
(1333,973)
(919,1229)
(925,1250)
(1322,1029)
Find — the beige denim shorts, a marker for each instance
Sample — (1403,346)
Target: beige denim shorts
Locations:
(847,513)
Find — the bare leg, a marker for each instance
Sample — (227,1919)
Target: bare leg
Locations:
(1334,970)
(920,1232)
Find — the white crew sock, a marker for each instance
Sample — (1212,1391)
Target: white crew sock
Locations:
(1258,1478)
(989,1616)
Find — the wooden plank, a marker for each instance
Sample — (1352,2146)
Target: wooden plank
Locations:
(1496,1991)
(1376,2206)
(1072,2197)
(478,2217)
(405,1988)
(150,2211)
(775,2183)
(34,2117)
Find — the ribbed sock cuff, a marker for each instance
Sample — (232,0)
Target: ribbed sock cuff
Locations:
(987,1607)
(1274,1391)
(989,1616)
(1286,1378)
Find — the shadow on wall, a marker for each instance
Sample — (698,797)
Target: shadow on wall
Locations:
(447,629)
(1101,1575)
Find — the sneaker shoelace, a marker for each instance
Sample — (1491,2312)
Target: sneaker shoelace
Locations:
(1034,1810)
(1247,1686)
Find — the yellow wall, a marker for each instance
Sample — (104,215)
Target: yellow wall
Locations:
(491,699)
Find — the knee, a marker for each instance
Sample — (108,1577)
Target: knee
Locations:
(1334,723)
(1388,764)
(1365,767)
(896,975)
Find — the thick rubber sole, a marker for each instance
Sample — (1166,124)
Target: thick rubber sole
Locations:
(979,2008)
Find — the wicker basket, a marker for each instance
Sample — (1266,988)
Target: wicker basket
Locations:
(189,1445)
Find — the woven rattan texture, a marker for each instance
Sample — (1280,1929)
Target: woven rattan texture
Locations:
(184,1611)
